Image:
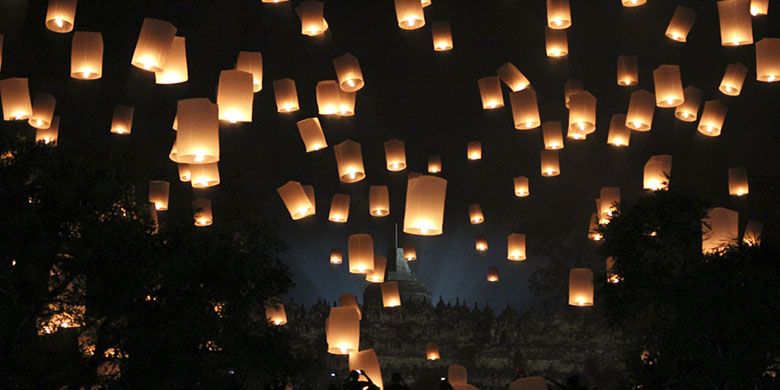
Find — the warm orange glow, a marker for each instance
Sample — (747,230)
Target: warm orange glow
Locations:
(377,275)
(582,113)
(736,25)
(367,362)
(235,96)
(311,13)
(550,165)
(61,15)
(558,14)
(350,76)
(349,160)
(475,214)
(154,42)
(442,36)
(275,314)
(391,297)
(481,244)
(712,118)
(525,109)
(432,352)
(296,200)
(122,121)
(689,110)
(738,181)
(556,43)
(410,253)
(312,135)
(719,228)
(474,150)
(342,330)
(336,257)
(252,62)
(513,77)
(434,164)
(286,95)
(490,92)
(360,251)
(409,14)
(668,86)
(656,172)
(768,60)
(516,247)
(339,208)
(379,201)
(86,56)
(15,96)
(424,211)
(641,109)
(174,68)
(627,71)
(203,215)
(395,155)
(681,24)
(619,134)
(580,287)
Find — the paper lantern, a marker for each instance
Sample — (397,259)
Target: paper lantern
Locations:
(657,171)
(350,77)
(550,165)
(377,275)
(275,314)
(580,287)
(235,96)
(204,175)
(158,194)
(294,197)
(736,27)
(350,301)
(759,7)
(474,150)
(712,118)
(434,164)
(360,249)
(582,112)
(379,201)
(252,62)
(425,3)
(457,375)
(339,208)
(522,188)
(733,79)
(668,86)
(432,352)
(185,174)
(367,362)
(571,87)
(525,109)
(607,203)
(529,383)
(424,211)
(286,95)
(556,43)
(641,108)
(154,42)
(410,253)
(442,36)
(15,96)
(689,110)
(203,215)
(86,55)
(475,214)
(490,91)
(513,77)
(738,181)
(481,244)
(343,330)
(553,137)
(681,24)
(719,229)
(197,139)
(768,60)
(612,277)
(753,233)
(593,227)
(312,15)
(61,15)
(347,103)
(619,134)
(627,71)
(409,14)
(174,68)
(391,297)
(558,14)
(336,257)
(42,111)
(574,133)
(328,97)
(50,135)
(309,191)
(349,159)
(633,3)
(492,274)
(395,155)
(122,121)
(516,247)
(312,135)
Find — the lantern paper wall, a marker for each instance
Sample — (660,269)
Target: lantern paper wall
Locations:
(627,71)
(529,383)
(425,3)
(367,362)
(475,214)
(550,165)
(50,135)
(457,375)
(607,202)
(432,352)
(738,181)
(571,87)
(522,188)
(759,7)
(377,275)
(619,134)
(348,71)
(343,330)
(309,191)
(656,172)
(424,211)
(410,253)
(481,244)
(42,111)
(328,97)
(379,201)
(736,27)
(409,14)
(294,197)
(235,96)
(681,24)
(434,164)
(733,79)
(395,155)
(525,109)
(474,150)
(391,297)
(633,3)
(712,118)
(312,135)
(122,121)
(513,77)
(197,139)
(61,15)
(349,300)
(753,233)
(286,95)
(158,194)
(490,92)
(574,133)
(339,208)
(360,249)
(203,215)
(768,60)
(516,247)
(612,277)
(15,96)
(442,36)
(552,134)
(336,256)
(582,112)
(641,108)
(312,15)
(668,86)
(349,159)
(275,314)
(185,174)
(719,228)
(580,287)
(86,55)
(593,227)
(558,14)
(252,62)
(154,42)
(689,110)
(492,274)
(204,175)
(347,103)
(174,68)
(556,43)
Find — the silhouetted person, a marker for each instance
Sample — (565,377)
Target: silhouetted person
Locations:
(354,383)
(445,385)
(396,383)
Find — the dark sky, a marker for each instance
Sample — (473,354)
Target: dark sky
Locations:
(429,100)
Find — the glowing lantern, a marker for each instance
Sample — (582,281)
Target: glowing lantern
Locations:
(571,87)
(409,14)
(424,212)
(336,257)
(158,194)
(235,96)
(556,43)
(16,99)
(343,330)
(197,140)
(377,275)
(312,135)
(457,375)
(612,277)
(328,97)
(522,188)
(641,108)
(86,55)
(252,62)
(349,300)
(609,198)
(348,72)
(360,249)
(339,208)
(475,214)
(574,133)
(593,227)
(122,121)
(434,164)
(768,60)
(525,109)
(633,3)
(204,175)
(174,69)
(550,164)
(410,254)
(442,36)
(425,3)
(349,160)
(719,228)
(580,287)
(42,111)
(185,174)
(759,7)
(379,201)
(657,171)
(481,244)
(738,181)
(309,190)
(312,15)
(689,110)
(203,215)
(582,112)
(736,27)
(553,137)
(490,91)
(347,103)
(492,274)
(286,95)
(627,71)
(61,15)
(395,155)
(294,197)
(391,297)
(753,233)
(516,247)
(154,42)
(712,118)
(474,150)
(275,314)
(513,77)
(619,134)
(367,362)
(681,24)
(733,79)
(668,86)
(558,14)
(432,352)
(50,135)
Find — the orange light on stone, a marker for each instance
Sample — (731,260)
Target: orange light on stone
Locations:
(627,71)
(550,165)
(298,204)
(558,14)
(668,86)
(349,300)
(235,96)
(368,364)
(738,181)
(158,194)
(203,214)
(481,244)
(328,97)
(50,135)
(442,36)
(275,314)
(349,160)
(681,24)
(252,62)
(410,253)
(582,112)
(552,134)
(580,287)
(339,208)
(409,14)
(122,121)
(86,55)
(377,275)
(719,229)
(379,201)
(513,77)
(492,274)
(432,352)
(312,135)
(204,175)
(522,188)
(360,249)
(733,79)
(736,26)
(348,72)
(197,137)
(641,109)
(657,171)
(571,87)
(311,13)
(185,174)
(619,134)
(391,297)
(474,150)
(434,164)
(768,60)
(633,3)
(342,330)
(424,211)
(490,92)
(475,214)
(753,233)
(525,109)
(515,250)
(689,110)
(556,43)
(42,111)
(154,42)
(286,95)
(61,15)
(174,68)
(15,95)
(712,118)
(395,155)
(336,256)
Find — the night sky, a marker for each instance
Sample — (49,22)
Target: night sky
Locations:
(429,100)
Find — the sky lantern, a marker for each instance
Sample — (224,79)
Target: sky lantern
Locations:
(379,201)
(580,287)
(474,150)
(204,175)
(557,45)
(612,276)
(309,191)
(174,68)
(61,15)
(395,155)
(712,118)
(481,244)
(42,111)
(185,174)
(571,87)
(336,256)
(158,194)
(689,110)
(409,14)
(339,208)
(349,300)
(753,233)
(252,62)
(607,203)
(733,79)
(286,95)
(522,188)
(525,109)
(434,164)
(86,55)
(343,330)
(593,227)
(475,214)
(719,228)
(367,362)
(360,250)
(558,14)
(432,352)
(490,91)
(235,96)
(736,26)
(513,77)
(424,211)
(738,181)
(349,159)
(641,108)
(633,3)
(122,121)
(681,24)
(768,60)
(425,3)
(312,15)
(552,134)
(377,275)
(15,95)
(492,274)
(50,135)
(582,112)
(154,42)
(627,71)
(294,197)
(348,72)
(347,103)
(197,139)
(515,249)
(550,165)
(759,7)
(391,297)
(203,215)
(457,375)
(328,97)
(668,86)
(619,134)
(312,135)
(410,253)
(576,134)
(275,314)
(657,171)
(442,36)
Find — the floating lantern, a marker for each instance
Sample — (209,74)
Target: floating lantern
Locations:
(339,208)
(627,71)
(720,228)
(492,274)
(738,181)
(475,214)
(61,15)
(521,187)
(197,139)
(516,247)
(368,364)
(312,15)
(513,77)
(158,194)
(154,42)
(571,87)
(252,62)
(425,3)
(736,27)
(410,254)
(641,108)
(481,244)
(360,249)
(349,300)
(681,24)
(657,171)
(409,14)
(391,297)
(768,60)
(580,287)
(203,215)
(582,112)
(689,110)
(633,3)
(343,330)
(348,72)
(274,313)
(442,36)
(609,198)
(349,159)
(86,55)
(753,233)
(204,175)
(759,7)
(235,96)
(122,121)
(309,190)
(395,155)
(593,227)
(312,135)
(474,150)
(576,134)
(490,91)
(174,69)
(552,134)
(668,86)
(424,211)
(294,197)
(712,118)
(733,79)
(619,134)
(286,95)
(336,257)
(550,164)
(612,277)
(556,43)
(558,14)
(432,352)
(328,97)
(379,201)
(525,109)
(15,96)
(50,135)
(185,174)
(347,103)
(42,111)
(434,164)
(377,275)
(457,375)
